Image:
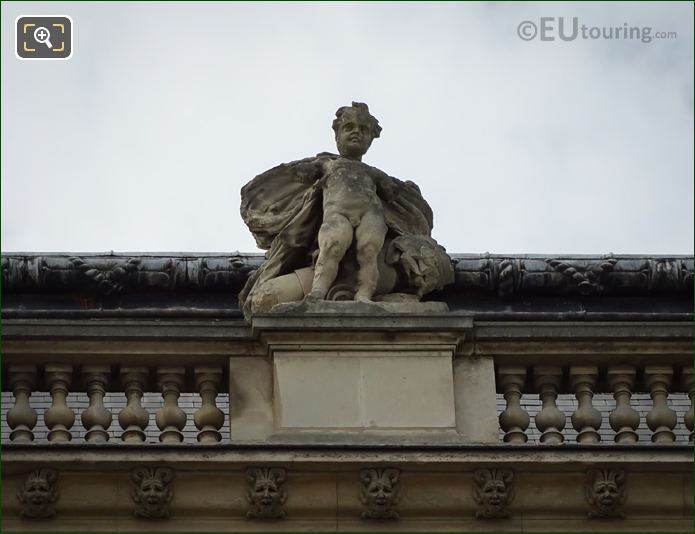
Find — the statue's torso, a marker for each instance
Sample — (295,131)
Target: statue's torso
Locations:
(349,187)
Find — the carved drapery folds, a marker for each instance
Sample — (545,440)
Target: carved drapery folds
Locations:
(605,492)
(380,493)
(38,494)
(493,491)
(152,492)
(266,493)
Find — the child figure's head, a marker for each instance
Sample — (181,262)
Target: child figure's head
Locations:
(355,129)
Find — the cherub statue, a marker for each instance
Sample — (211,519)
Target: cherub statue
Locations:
(338,229)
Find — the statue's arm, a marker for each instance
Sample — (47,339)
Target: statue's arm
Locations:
(309,172)
(386,186)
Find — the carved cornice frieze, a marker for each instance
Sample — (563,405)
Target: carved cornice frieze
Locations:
(118,274)
(566,275)
(504,276)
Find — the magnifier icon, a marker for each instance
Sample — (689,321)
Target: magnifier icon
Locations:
(42,35)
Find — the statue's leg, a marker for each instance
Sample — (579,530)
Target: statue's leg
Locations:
(335,236)
(369,236)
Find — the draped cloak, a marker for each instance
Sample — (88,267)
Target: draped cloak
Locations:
(284,211)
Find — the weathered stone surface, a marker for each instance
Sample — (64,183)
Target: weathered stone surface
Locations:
(493,491)
(380,493)
(363,232)
(363,390)
(505,276)
(38,494)
(606,492)
(152,492)
(266,494)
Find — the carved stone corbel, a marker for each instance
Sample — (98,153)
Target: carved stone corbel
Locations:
(39,494)
(605,492)
(493,491)
(266,493)
(152,492)
(380,493)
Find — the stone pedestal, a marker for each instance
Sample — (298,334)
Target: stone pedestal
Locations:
(350,371)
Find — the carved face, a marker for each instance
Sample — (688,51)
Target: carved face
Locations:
(37,492)
(152,491)
(494,495)
(606,494)
(266,492)
(380,493)
(353,136)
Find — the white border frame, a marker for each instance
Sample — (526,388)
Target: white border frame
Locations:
(72,40)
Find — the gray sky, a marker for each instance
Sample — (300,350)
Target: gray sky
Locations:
(143,139)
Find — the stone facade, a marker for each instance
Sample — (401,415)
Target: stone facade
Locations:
(535,400)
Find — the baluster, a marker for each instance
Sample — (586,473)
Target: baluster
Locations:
(624,419)
(133,418)
(688,382)
(587,419)
(21,418)
(59,418)
(513,420)
(96,418)
(661,419)
(550,420)
(209,418)
(170,418)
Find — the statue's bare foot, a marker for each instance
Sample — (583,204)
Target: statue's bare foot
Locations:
(363,298)
(312,298)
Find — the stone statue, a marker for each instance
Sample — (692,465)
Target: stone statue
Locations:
(337,229)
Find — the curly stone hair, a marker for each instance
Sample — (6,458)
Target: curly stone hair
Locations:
(361,112)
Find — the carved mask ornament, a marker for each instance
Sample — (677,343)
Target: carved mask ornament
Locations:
(38,494)
(379,493)
(492,490)
(152,491)
(605,492)
(266,493)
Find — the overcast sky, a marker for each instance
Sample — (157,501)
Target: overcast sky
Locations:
(142,140)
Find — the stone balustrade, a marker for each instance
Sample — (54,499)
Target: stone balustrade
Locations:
(59,379)
(584,381)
